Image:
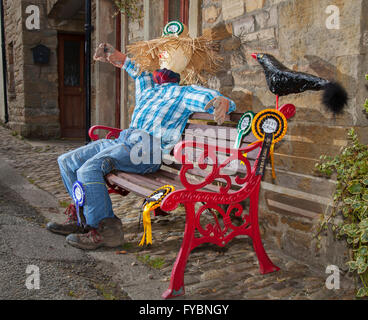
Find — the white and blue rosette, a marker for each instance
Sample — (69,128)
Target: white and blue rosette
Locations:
(79,197)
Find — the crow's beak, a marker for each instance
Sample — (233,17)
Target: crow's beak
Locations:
(254,55)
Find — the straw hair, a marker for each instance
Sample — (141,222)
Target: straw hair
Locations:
(200,51)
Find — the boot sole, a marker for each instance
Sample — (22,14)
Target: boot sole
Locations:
(86,247)
(64,233)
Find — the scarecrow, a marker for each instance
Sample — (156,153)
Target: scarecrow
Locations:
(168,74)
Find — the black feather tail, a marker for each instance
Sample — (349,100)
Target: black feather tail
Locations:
(334,97)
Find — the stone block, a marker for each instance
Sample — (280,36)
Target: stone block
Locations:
(33,99)
(237,60)
(211,14)
(261,35)
(266,19)
(232,9)
(271,219)
(297,224)
(243,99)
(298,244)
(226,78)
(248,77)
(251,5)
(231,44)
(219,32)
(311,185)
(293,204)
(243,26)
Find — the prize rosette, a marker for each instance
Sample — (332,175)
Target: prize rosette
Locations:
(152,202)
(79,198)
(244,127)
(173,28)
(269,126)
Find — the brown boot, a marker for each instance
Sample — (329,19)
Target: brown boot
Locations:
(108,234)
(69,226)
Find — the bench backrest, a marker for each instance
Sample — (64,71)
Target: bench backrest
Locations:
(201,128)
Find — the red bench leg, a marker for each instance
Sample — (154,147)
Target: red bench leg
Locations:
(265,263)
(176,287)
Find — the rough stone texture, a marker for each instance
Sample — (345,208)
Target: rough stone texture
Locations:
(252,5)
(296,33)
(33,89)
(211,14)
(232,9)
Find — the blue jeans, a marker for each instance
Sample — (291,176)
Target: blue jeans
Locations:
(89,164)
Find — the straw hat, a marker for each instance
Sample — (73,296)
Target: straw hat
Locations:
(200,51)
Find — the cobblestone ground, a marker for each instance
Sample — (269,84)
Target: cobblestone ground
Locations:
(212,272)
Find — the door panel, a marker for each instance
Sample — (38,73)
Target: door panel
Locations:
(71,85)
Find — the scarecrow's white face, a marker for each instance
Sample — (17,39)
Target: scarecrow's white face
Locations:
(174,59)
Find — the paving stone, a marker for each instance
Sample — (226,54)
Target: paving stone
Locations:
(282,293)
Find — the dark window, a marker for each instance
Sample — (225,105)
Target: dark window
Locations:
(72,63)
(176,10)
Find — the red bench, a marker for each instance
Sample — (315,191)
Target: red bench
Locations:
(221,189)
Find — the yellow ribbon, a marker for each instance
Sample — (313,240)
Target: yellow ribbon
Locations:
(147,232)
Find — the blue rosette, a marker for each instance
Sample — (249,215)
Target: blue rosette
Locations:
(79,197)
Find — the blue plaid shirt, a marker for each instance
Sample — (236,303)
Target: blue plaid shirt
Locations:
(163,110)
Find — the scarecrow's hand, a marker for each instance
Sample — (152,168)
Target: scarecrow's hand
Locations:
(107,53)
(221,105)
(103,51)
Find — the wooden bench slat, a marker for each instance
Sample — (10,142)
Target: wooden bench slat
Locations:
(234,116)
(220,143)
(115,179)
(218,132)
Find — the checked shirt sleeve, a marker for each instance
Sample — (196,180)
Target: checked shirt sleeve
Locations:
(197,97)
(143,81)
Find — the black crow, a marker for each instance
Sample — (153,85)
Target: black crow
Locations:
(283,81)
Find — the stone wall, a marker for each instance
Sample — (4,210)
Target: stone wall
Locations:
(103,74)
(14,42)
(135,33)
(32,88)
(2,104)
(295,32)
(40,81)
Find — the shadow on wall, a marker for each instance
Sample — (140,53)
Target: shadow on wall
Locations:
(328,71)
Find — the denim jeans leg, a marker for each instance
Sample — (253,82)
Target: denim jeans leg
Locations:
(71,161)
(118,156)
(97,199)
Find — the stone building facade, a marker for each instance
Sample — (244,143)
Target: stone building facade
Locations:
(327,38)
(33,97)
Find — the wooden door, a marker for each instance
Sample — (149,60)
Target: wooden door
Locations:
(71,85)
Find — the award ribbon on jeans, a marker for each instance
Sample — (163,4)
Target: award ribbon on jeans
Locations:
(79,197)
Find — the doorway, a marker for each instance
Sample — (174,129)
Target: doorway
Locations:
(71,85)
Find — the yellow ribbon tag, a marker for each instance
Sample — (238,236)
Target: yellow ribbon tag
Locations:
(147,231)
(151,203)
